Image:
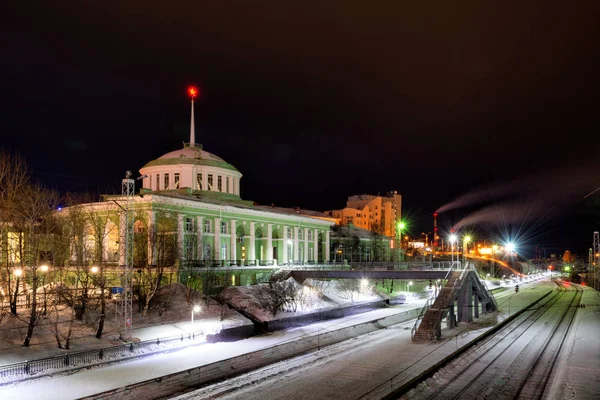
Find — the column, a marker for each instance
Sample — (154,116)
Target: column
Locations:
(326,252)
(199,244)
(269,255)
(285,245)
(305,245)
(251,252)
(152,256)
(180,237)
(233,251)
(296,256)
(217,239)
(316,245)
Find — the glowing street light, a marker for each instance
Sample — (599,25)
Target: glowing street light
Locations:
(452,240)
(399,228)
(466,241)
(410,283)
(195,310)
(509,247)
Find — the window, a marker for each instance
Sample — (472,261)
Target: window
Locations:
(290,234)
(210,182)
(176,180)
(223,227)
(220,183)
(310,235)
(166,181)
(157,181)
(138,227)
(223,251)
(206,226)
(199,181)
(227,184)
(301,234)
(189,224)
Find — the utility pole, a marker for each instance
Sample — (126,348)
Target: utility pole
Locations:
(125,305)
(595,263)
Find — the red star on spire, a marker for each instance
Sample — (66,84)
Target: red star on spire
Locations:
(193,92)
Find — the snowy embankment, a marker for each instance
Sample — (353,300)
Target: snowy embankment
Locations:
(204,374)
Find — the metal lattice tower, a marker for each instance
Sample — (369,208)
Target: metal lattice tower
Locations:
(596,259)
(125,306)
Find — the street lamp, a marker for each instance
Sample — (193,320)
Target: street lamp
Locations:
(400,228)
(44,268)
(410,283)
(426,238)
(452,240)
(195,310)
(466,241)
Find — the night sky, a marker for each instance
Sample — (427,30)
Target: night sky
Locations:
(496,106)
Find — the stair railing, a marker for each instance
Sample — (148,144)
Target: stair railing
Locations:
(424,309)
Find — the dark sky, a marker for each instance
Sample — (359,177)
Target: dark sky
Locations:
(316,101)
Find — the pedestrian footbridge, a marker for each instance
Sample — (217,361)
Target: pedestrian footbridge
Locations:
(461,297)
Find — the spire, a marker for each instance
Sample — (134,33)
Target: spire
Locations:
(193,92)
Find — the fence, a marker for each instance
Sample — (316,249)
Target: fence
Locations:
(80,358)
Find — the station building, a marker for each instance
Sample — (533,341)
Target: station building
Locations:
(197,194)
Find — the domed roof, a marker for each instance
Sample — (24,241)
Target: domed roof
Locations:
(191,152)
(190,155)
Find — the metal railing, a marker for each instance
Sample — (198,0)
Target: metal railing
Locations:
(86,357)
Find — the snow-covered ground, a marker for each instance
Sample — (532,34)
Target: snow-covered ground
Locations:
(375,364)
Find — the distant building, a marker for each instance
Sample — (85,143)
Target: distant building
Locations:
(372,213)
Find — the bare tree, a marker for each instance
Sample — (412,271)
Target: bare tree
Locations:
(348,289)
(33,220)
(14,176)
(157,244)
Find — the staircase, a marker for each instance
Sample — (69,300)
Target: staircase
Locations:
(432,320)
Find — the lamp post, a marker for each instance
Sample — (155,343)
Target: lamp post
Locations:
(510,248)
(400,228)
(44,268)
(466,241)
(194,310)
(426,238)
(452,240)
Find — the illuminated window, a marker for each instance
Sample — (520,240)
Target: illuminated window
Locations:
(176,180)
(210,182)
(138,227)
(199,181)
(220,183)
(166,181)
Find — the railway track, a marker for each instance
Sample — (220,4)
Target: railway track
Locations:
(514,363)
